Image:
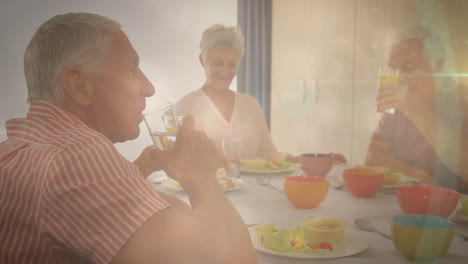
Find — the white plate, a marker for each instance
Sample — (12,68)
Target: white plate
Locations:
(267,171)
(407,180)
(354,242)
(459,217)
(169,184)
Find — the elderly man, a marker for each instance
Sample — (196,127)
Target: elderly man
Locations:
(68,196)
(427,137)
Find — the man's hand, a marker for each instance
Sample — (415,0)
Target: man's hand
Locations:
(148,161)
(413,103)
(193,154)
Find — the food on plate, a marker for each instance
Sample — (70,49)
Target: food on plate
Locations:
(329,230)
(284,240)
(390,177)
(464,203)
(393,178)
(266,164)
(223,180)
(253,164)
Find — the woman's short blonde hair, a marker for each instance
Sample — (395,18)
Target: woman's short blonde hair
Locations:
(220,35)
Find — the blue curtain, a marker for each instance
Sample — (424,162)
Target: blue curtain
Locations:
(254,75)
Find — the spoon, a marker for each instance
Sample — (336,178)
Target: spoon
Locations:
(365,225)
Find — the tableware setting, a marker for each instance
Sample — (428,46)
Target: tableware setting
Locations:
(422,238)
(305,192)
(300,195)
(461,215)
(266,166)
(363,182)
(265,181)
(365,225)
(321,238)
(225,182)
(427,200)
(231,148)
(162,125)
(316,164)
(174,185)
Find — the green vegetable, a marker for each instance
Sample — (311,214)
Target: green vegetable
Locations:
(294,240)
(278,241)
(397,175)
(464,203)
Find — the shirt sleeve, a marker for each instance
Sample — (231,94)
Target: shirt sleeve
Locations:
(95,200)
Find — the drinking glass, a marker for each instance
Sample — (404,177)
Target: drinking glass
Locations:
(162,125)
(230,146)
(387,75)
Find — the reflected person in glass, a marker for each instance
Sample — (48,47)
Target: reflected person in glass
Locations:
(427,137)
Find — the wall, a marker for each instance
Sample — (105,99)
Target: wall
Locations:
(338,45)
(166,35)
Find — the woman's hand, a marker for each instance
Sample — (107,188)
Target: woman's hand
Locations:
(338,158)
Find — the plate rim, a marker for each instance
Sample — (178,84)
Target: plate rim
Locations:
(409,180)
(459,217)
(268,171)
(167,184)
(301,255)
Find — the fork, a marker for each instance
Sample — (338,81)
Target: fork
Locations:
(265,181)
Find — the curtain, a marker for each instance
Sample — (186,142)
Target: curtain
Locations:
(254,75)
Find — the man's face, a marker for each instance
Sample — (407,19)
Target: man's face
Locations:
(413,64)
(221,66)
(120,91)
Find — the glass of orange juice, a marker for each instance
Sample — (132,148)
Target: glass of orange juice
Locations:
(163,126)
(387,75)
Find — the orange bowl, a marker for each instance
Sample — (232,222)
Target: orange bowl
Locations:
(427,200)
(306,192)
(316,164)
(363,182)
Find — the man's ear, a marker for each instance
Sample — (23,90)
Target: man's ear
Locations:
(200,57)
(76,86)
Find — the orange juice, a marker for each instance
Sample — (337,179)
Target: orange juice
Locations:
(384,79)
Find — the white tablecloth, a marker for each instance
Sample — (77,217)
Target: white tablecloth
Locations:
(261,204)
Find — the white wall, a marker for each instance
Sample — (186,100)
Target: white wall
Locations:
(165,33)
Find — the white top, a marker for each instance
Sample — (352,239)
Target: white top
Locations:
(247,122)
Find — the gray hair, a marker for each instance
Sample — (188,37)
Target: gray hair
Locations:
(220,35)
(72,39)
(433,45)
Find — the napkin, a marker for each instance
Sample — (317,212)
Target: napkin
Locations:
(157,177)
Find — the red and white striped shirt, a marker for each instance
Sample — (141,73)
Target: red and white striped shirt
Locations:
(66,194)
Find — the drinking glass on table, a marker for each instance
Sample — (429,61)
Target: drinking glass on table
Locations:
(230,147)
(387,75)
(162,125)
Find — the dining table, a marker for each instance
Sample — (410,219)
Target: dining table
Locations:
(260,199)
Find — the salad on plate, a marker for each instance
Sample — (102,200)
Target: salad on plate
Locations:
(285,240)
(266,164)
